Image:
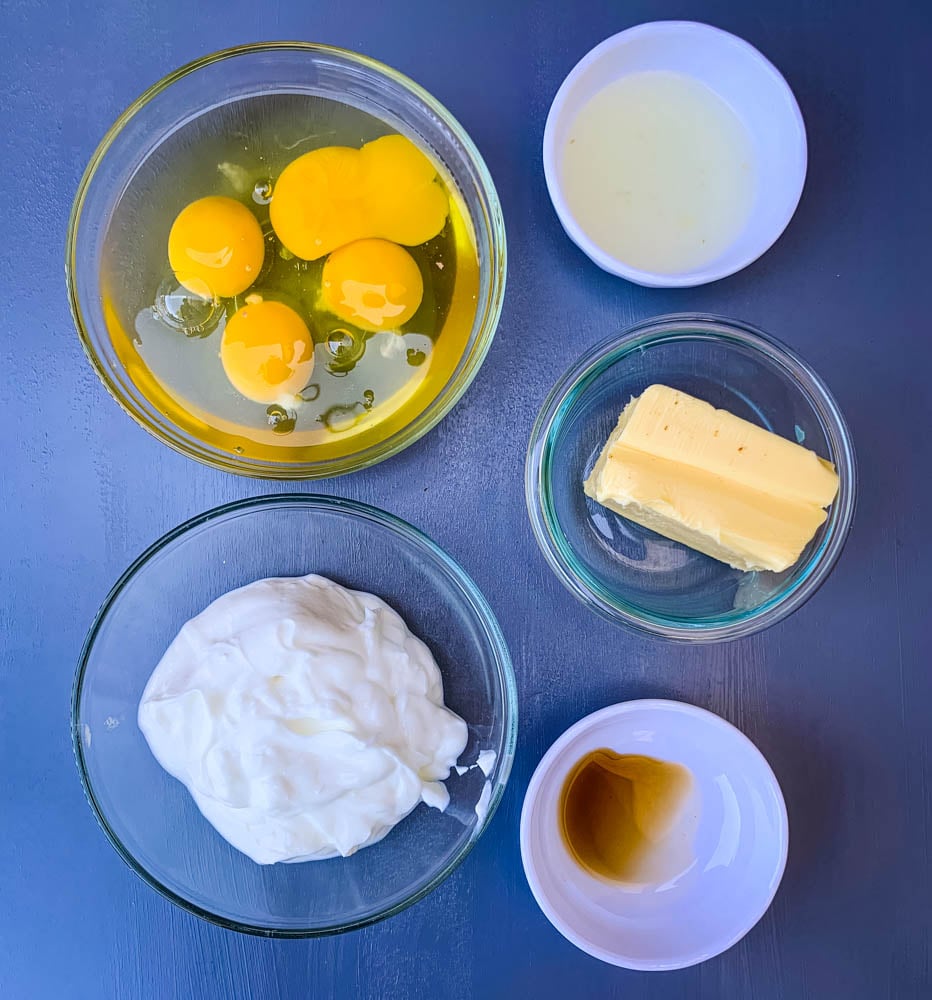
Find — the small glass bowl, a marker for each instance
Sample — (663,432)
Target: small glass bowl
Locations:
(225,78)
(630,574)
(151,819)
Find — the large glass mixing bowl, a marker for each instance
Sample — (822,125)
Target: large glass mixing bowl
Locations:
(151,819)
(117,188)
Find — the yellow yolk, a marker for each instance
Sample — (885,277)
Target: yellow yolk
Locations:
(216,248)
(373,284)
(267,351)
(332,196)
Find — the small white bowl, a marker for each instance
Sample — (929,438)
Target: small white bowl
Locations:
(739,846)
(745,80)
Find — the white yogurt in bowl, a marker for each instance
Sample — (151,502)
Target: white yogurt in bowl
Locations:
(305,719)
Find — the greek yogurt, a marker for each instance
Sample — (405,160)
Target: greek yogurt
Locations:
(305,719)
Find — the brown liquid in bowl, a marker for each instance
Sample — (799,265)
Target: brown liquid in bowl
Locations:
(620,816)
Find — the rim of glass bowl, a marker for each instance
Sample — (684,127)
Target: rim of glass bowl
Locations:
(574,383)
(489,311)
(469,591)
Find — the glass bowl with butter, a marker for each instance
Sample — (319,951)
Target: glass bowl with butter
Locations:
(294,715)
(692,478)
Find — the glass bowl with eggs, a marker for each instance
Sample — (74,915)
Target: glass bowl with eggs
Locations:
(286,260)
(294,715)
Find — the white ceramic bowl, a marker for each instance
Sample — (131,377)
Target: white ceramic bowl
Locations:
(740,842)
(745,80)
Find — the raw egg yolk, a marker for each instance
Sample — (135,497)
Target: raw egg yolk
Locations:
(267,351)
(332,196)
(216,248)
(373,284)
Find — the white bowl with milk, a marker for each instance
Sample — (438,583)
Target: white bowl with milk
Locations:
(675,154)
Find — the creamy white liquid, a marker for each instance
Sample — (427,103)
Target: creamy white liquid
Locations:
(304,719)
(658,171)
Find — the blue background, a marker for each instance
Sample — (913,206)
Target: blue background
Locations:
(838,697)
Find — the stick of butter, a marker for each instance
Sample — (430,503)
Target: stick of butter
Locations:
(712,481)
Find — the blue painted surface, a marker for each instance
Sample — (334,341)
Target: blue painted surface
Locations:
(839,697)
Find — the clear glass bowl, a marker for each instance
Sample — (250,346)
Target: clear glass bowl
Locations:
(111,187)
(151,819)
(630,574)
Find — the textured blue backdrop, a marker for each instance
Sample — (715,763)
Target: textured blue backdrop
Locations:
(838,697)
